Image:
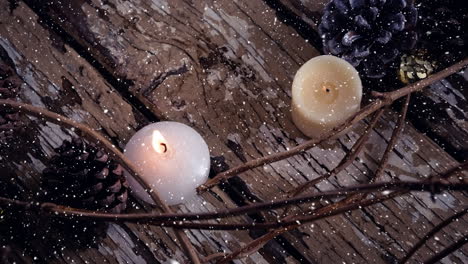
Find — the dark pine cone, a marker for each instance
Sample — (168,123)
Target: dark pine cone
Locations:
(83,176)
(443,29)
(9,88)
(369,34)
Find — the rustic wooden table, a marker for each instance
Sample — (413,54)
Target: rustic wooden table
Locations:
(225,68)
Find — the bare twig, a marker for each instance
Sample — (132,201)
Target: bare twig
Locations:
(348,159)
(62,211)
(259,242)
(255,245)
(447,251)
(94,136)
(208,226)
(393,140)
(431,233)
(364,112)
(213,257)
(385,157)
(384,99)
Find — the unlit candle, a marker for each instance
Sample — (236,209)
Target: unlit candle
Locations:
(326,91)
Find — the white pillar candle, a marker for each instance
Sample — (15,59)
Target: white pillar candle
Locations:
(325,92)
(172,158)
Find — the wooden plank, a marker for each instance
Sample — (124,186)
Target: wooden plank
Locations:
(441,111)
(57,78)
(225,68)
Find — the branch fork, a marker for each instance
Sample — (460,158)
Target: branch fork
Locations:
(180,220)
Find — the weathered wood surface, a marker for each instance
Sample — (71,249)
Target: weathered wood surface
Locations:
(225,68)
(440,112)
(57,78)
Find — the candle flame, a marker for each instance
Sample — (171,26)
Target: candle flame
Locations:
(159,143)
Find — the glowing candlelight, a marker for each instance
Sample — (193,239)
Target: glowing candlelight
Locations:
(159,143)
(172,157)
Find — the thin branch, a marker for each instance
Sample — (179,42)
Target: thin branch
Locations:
(383,100)
(388,150)
(246,226)
(259,242)
(431,233)
(299,220)
(94,136)
(447,251)
(213,257)
(292,222)
(393,140)
(255,245)
(62,211)
(348,159)
(364,112)
(382,165)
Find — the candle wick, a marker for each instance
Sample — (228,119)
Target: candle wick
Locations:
(164,147)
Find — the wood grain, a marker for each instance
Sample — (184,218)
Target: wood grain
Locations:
(440,112)
(57,78)
(225,68)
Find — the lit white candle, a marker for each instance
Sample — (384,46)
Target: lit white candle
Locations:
(326,91)
(172,158)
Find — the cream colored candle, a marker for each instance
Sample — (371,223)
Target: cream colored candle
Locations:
(172,158)
(326,91)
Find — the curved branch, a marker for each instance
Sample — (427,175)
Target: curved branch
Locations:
(448,250)
(384,99)
(431,233)
(266,225)
(348,159)
(393,140)
(388,150)
(56,210)
(259,242)
(94,136)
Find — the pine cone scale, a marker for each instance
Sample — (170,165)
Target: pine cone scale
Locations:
(350,37)
(106,201)
(115,188)
(102,174)
(83,176)
(122,197)
(368,33)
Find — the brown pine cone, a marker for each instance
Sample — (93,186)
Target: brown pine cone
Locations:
(84,177)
